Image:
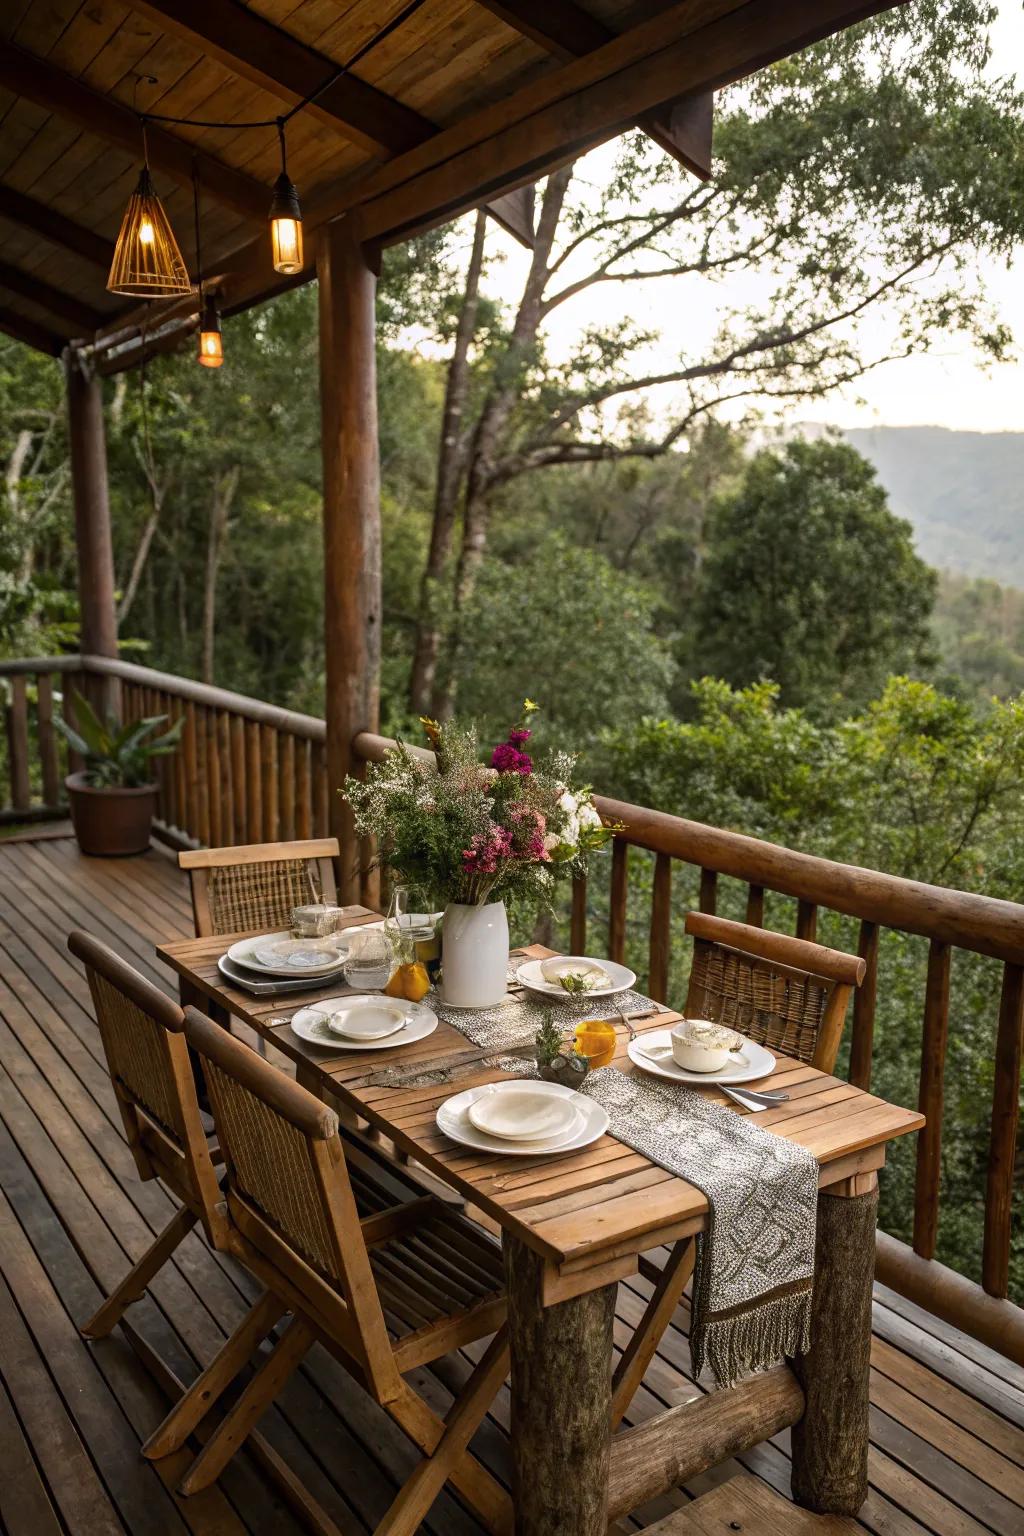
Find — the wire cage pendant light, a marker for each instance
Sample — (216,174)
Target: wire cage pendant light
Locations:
(147,263)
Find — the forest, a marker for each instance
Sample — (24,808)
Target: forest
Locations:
(740,633)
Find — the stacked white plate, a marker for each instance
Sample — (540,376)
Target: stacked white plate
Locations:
(600,978)
(522,1119)
(363,1023)
(278,954)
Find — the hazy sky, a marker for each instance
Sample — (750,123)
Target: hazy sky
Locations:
(946,386)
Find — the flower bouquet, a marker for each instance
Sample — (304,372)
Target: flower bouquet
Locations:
(477,834)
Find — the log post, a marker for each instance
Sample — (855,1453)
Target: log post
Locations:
(830,1442)
(88,444)
(561,1402)
(352,555)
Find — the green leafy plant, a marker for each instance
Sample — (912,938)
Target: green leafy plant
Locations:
(117,756)
(549,1040)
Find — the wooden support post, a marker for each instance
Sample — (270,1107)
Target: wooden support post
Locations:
(97,614)
(830,1442)
(351,472)
(561,1402)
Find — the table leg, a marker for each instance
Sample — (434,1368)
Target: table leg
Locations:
(561,1402)
(830,1442)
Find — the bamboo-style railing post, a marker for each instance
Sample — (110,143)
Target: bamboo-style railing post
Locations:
(578,917)
(268,771)
(49,759)
(190,753)
(999,1185)
(661,929)
(933,1061)
(807,921)
(286,773)
(863,1032)
(707,897)
(321,818)
(239,789)
(202,830)
(617,901)
(17,745)
(755,906)
(303,789)
(253,784)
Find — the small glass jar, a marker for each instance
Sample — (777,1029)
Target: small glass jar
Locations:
(367,965)
(316,920)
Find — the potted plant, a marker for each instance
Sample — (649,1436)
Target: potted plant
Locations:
(476,834)
(113,797)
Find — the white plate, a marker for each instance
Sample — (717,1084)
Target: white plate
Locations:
(755,1062)
(520,1112)
(622,978)
(453,1119)
(309,1024)
(244,953)
(367,1021)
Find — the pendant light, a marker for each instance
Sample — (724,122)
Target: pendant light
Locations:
(285,218)
(147,263)
(211,345)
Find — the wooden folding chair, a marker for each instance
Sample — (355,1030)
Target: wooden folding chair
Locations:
(255,886)
(385,1293)
(147,1057)
(785,993)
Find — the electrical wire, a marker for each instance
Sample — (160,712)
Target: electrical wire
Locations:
(285,117)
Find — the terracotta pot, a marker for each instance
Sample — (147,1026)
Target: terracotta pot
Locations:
(110,823)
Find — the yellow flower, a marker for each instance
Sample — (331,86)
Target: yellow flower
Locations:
(529,706)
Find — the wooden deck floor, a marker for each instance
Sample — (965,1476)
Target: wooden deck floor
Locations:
(947,1419)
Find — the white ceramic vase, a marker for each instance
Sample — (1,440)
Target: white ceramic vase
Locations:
(474,955)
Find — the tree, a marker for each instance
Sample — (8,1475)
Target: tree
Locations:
(811,581)
(861,177)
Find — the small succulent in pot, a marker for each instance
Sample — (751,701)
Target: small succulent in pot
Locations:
(556,1062)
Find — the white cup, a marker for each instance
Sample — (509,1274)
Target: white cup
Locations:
(698,1045)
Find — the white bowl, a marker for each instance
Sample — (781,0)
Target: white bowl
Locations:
(695,1054)
(367,1021)
(522,1112)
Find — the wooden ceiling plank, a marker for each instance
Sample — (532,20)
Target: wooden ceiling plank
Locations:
(273,59)
(47,297)
(20,328)
(566,30)
(53,226)
(590,101)
(101,115)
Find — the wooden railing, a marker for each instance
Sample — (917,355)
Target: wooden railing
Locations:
(249,772)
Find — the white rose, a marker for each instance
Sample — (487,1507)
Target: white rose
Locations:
(551,842)
(589,816)
(568,803)
(571,831)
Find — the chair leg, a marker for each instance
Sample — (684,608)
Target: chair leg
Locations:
(249,1408)
(640,1350)
(419,1491)
(133,1286)
(219,1374)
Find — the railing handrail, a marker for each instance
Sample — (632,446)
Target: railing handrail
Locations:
(985,924)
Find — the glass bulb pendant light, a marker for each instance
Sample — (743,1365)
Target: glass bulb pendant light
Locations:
(147,263)
(211,347)
(285,218)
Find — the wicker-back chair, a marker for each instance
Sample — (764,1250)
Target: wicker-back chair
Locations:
(788,994)
(147,1056)
(386,1293)
(255,885)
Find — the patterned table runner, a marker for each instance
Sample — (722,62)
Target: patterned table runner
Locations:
(755,1261)
(516,1021)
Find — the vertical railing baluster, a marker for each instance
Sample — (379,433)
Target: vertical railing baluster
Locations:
(617,901)
(17,744)
(707,898)
(999,1184)
(49,760)
(661,929)
(239,791)
(578,917)
(191,757)
(202,774)
(807,921)
(253,784)
(933,1061)
(268,770)
(321,815)
(862,1038)
(227,787)
(286,775)
(755,906)
(303,789)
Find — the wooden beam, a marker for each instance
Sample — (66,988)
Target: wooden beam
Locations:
(565,29)
(95,556)
(20,328)
(696,46)
(272,58)
(61,93)
(352,533)
(54,227)
(47,297)
(514,212)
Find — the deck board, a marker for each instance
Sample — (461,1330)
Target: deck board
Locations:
(947,1456)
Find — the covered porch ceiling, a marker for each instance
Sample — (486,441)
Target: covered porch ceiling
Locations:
(423,109)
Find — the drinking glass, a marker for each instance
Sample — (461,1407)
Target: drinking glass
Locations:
(411,927)
(367,966)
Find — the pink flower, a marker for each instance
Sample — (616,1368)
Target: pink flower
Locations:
(519,735)
(485,851)
(507,758)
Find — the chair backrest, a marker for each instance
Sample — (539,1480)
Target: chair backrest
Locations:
(142,1030)
(291,1212)
(786,993)
(256,885)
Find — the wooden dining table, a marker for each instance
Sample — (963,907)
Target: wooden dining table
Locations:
(574,1225)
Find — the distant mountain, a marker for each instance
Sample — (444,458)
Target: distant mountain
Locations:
(962,491)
